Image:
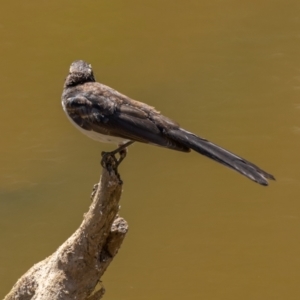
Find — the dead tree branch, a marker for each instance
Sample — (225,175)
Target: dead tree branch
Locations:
(75,269)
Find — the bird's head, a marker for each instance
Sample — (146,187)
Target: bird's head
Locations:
(80,72)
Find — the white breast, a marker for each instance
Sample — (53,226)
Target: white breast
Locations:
(95,135)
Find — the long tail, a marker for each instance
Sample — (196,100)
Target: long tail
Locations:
(220,155)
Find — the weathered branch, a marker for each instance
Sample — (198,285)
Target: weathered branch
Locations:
(75,269)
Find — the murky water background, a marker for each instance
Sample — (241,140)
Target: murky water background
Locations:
(227,70)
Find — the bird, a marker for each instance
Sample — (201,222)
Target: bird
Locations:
(107,116)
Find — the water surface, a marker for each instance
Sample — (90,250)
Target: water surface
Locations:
(228,71)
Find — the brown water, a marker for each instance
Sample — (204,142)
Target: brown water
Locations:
(227,70)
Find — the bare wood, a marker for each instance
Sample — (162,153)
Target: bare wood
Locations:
(75,269)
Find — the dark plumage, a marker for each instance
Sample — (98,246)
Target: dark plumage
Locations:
(105,115)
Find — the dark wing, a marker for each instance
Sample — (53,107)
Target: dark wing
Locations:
(120,119)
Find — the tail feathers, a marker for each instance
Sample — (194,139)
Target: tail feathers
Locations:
(220,155)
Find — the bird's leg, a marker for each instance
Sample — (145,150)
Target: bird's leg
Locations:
(122,150)
(109,160)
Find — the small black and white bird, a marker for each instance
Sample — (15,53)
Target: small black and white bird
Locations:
(108,116)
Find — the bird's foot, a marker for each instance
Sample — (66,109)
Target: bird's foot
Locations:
(111,163)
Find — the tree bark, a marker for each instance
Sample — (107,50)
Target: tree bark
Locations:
(75,269)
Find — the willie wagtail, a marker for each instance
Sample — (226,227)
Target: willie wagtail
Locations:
(108,116)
